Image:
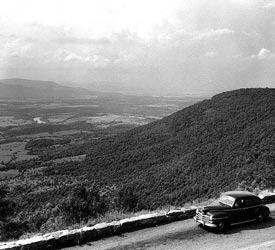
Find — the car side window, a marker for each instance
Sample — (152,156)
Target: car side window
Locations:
(239,203)
(249,203)
(252,202)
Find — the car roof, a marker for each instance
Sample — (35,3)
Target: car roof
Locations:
(240,194)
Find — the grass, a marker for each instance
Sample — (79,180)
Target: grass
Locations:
(9,173)
(14,151)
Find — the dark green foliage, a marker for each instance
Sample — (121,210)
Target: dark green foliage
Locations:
(195,153)
(39,143)
(127,200)
(8,228)
(37,146)
(6,205)
(82,204)
(12,230)
(37,219)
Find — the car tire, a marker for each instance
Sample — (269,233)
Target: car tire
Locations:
(260,217)
(221,226)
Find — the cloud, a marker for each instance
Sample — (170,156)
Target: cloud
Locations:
(79,41)
(36,32)
(188,45)
(270,5)
(264,54)
(16,48)
(213,33)
(211,54)
(243,2)
(169,33)
(95,60)
(77,58)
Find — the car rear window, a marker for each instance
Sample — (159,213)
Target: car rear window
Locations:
(227,200)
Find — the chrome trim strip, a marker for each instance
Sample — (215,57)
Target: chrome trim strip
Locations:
(235,209)
(222,218)
(242,222)
(204,223)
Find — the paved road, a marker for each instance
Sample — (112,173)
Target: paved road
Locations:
(187,235)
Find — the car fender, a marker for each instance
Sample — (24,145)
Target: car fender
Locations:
(220,216)
(263,209)
(266,211)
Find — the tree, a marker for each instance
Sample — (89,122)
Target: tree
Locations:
(8,228)
(6,206)
(127,200)
(83,203)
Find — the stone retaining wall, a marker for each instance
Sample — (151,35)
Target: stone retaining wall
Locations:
(65,238)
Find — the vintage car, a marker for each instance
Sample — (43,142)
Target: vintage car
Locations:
(235,207)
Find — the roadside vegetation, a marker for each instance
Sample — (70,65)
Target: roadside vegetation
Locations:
(66,207)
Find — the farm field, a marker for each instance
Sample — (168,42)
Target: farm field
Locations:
(77,122)
(14,151)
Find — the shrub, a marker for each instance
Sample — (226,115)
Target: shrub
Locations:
(12,230)
(8,229)
(6,206)
(82,204)
(127,200)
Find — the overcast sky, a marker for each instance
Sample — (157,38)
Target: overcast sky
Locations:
(165,46)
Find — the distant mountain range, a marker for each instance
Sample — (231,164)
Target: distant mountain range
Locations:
(137,89)
(24,89)
(21,89)
(212,146)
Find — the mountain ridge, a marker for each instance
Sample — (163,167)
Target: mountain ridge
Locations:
(17,88)
(197,152)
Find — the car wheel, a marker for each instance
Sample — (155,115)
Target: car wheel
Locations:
(266,213)
(260,217)
(221,226)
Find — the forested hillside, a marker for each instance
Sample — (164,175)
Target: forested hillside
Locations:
(206,148)
(216,145)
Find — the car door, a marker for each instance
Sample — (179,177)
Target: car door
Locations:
(251,205)
(238,214)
